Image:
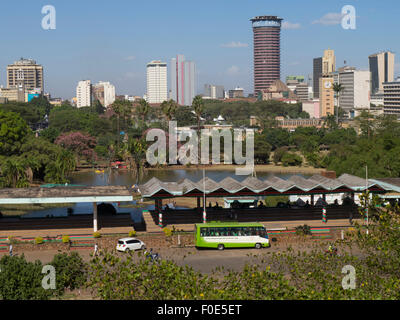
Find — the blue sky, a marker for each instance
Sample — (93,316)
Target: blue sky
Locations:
(113,40)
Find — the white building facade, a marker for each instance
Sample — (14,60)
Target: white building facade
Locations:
(157,86)
(357,89)
(84,94)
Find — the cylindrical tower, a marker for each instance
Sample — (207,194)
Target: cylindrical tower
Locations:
(267,51)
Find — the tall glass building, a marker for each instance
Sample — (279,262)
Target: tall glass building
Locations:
(183,82)
(267,51)
(381,66)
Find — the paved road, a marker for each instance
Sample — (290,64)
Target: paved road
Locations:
(201,260)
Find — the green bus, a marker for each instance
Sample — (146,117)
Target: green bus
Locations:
(221,235)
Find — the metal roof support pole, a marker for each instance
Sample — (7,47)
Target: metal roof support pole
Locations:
(95,225)
(312,200)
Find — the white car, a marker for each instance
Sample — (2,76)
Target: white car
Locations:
(130,244)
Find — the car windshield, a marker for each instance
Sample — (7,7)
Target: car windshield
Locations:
(120,242)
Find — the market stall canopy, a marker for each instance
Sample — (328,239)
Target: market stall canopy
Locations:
(297,185)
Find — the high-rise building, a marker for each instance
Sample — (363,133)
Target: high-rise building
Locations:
(157,87)
(298,79)
(236,93)
(29,71)
(214,91)
(183,76)
(84,94)
(302,92)
(317,74)
(326,101)
(328,62)
(104,92)
(267,51)
(381,66)
(323,66)
(356,89)
(391,99)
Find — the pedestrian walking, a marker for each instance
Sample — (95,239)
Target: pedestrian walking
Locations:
(11,250)
(96,249)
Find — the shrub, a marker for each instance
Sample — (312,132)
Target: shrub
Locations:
(132,233)
(21,280)
(167,232)
(71,271)
(39,240)
(278,154)
(303,230)
(11,240)
(97,235)
(65,239)
(291,159)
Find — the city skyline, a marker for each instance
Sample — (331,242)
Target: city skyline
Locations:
(94,46)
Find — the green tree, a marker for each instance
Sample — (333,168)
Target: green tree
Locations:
(21,280)
(169,109)
(143,108)
(137,149)
(14,173)
(13,133)
(98,107)
(58,171)
(262,149)
(291,159)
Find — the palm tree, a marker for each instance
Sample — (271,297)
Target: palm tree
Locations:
(14,173)
(169,109)
(137,149)
(143,109)
(58,170)
(122,108)
(198,105)
(338,88)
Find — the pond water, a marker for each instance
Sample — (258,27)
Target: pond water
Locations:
(126,178)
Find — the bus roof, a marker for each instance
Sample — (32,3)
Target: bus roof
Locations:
(229,224)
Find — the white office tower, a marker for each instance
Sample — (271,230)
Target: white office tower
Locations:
(104,92)
(356,92)
(84,94)
(157,87)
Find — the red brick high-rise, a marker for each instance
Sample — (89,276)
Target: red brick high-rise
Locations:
(267,51)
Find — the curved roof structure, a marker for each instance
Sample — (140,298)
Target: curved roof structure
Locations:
(251,186)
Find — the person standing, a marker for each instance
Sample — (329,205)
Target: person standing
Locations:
(96,249)
(11,250)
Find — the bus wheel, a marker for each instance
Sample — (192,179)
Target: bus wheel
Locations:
(221,247)
(258,246)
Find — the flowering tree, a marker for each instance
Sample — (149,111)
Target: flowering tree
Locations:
(82,145)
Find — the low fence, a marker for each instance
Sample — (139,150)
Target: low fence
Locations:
(71,222)
(258,214)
